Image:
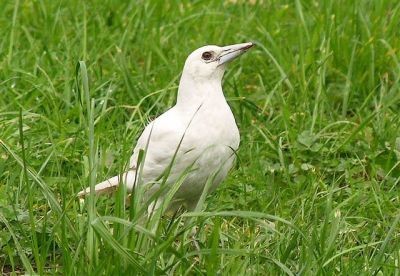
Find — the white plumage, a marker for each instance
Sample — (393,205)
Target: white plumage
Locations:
(199,133)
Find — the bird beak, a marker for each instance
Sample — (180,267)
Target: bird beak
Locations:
(231,52)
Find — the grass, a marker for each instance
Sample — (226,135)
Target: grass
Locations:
(316,186)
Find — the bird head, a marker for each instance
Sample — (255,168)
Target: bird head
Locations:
(208,62)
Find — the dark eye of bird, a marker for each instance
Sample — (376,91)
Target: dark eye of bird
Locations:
(206,55)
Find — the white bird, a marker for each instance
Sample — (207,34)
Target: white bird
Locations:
(197,138)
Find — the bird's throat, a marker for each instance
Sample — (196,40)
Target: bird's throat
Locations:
(192,93)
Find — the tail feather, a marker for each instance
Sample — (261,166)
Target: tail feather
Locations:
(110,185)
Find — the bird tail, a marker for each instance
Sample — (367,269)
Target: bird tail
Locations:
(110,185)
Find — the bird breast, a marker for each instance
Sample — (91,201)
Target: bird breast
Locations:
(204,140)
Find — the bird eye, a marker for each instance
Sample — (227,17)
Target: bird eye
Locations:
(206,55)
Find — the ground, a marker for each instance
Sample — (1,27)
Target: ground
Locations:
(316,186)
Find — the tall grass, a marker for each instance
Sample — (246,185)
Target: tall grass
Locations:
(316,185)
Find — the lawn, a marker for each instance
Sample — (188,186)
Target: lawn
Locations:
(315,189)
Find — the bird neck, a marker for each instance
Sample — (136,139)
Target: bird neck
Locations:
(195,92)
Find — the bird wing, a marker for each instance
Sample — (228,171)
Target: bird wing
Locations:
(159,142)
